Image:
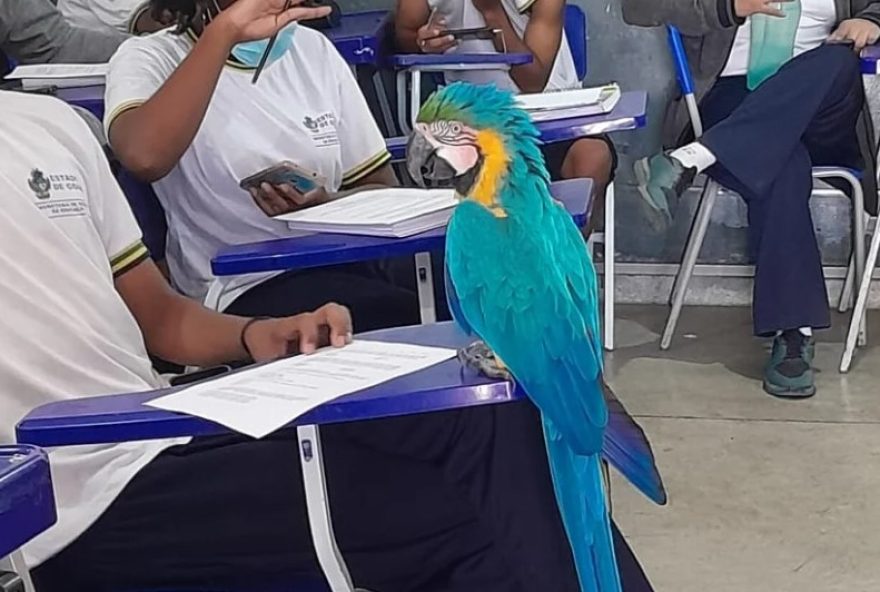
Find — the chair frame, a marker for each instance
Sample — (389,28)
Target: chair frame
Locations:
(856,269)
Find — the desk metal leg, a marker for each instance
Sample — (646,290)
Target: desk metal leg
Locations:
(15,563)
(425,283)
(318,505)
(608,260)
(415,96)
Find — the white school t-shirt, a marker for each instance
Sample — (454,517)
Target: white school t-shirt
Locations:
(461,14)
(65,228)
(817,21)
(103,15)
(306,108)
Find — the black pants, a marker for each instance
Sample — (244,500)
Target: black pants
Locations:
(766,142)
(368,289)
(452,501)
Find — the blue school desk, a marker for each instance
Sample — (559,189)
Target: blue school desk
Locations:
(320,250)
(90,98)
(629,114)
(124,418)
(27,505)
(358,36)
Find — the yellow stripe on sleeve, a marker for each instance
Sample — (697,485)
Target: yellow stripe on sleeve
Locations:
(128,258)
(366,168)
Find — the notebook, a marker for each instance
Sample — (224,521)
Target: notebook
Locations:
(60,75)
(391,212)
(566,104)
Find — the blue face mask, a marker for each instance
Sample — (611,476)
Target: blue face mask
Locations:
(250,53)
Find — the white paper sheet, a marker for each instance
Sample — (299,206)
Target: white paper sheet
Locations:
(377,207)
(261,400)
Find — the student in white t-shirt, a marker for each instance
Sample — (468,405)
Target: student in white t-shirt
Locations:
(415,504)
(535,28)
(183,113)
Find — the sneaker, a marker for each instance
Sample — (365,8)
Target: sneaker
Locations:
(789,372)
(662,179)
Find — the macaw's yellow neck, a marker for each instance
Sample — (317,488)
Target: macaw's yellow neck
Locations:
(495,161)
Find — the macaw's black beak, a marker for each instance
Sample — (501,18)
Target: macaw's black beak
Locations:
(424,165)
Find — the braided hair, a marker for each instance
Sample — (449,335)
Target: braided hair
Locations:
(182,13)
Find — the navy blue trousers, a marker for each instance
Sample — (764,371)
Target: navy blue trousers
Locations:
(766,142)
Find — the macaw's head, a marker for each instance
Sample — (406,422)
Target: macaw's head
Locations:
(475,139)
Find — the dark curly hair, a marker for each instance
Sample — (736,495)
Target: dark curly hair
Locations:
(181,13)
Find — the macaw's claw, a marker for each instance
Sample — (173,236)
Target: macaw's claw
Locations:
(479,357)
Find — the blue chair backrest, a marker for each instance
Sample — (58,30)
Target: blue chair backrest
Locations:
(576,33)
(680,61)
(147,211)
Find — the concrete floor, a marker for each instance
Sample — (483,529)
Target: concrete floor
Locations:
(765,495)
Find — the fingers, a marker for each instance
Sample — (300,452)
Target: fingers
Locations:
(302,13)
(293,198)
(269,200)
(432,40)
(338,319)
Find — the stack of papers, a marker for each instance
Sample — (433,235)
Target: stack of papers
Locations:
(566,104)
(59,75)
(265,398)
(391,212)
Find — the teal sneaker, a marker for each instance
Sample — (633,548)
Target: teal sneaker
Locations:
(661,181)
(789,372)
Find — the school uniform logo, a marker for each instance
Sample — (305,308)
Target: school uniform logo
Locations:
(322,129)
(59,195)
(39,184)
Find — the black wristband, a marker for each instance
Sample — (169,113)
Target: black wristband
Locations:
(244,329)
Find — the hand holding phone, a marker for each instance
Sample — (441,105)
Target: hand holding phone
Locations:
(285,187)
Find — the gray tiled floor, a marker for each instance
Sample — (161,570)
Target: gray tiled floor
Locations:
(765,495)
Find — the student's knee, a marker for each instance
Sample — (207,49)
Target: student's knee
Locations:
(840,59)
(589,157)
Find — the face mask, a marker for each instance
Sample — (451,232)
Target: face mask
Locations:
(250,53)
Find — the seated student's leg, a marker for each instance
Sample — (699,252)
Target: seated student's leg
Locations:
(374,300)
(229,514)
(754,141)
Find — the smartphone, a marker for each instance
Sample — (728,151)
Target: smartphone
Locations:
(846,42)
(473,33)
(286,173)
(200,375)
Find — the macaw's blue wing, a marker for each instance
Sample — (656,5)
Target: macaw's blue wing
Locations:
(626,448)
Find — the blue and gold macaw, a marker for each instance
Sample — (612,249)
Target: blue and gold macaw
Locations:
(520,278)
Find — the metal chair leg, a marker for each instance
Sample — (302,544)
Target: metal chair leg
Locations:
(384,105)
(318,506)
(608,262)
(402,119)
(676,282)
(861,305)
(14,562)
(689,259)
(847,292)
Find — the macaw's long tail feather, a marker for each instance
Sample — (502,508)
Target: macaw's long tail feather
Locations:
(581,496)
(627,448)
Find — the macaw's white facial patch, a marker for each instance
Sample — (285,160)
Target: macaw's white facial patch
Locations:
(454,142)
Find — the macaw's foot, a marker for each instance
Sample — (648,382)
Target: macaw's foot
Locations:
(479,357)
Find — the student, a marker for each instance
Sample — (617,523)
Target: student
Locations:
(183,113)
(128,16)
(536,29)
(35,32)
(415,504)
(763,142)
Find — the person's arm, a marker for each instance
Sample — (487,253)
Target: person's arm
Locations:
(862,30)
(35,32)
(183,331)
(150,138)
(415,30)
(696,17)
(542,39)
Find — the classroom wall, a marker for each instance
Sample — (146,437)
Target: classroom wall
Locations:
(648,66)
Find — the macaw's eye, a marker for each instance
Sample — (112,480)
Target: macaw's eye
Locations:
(455,128)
